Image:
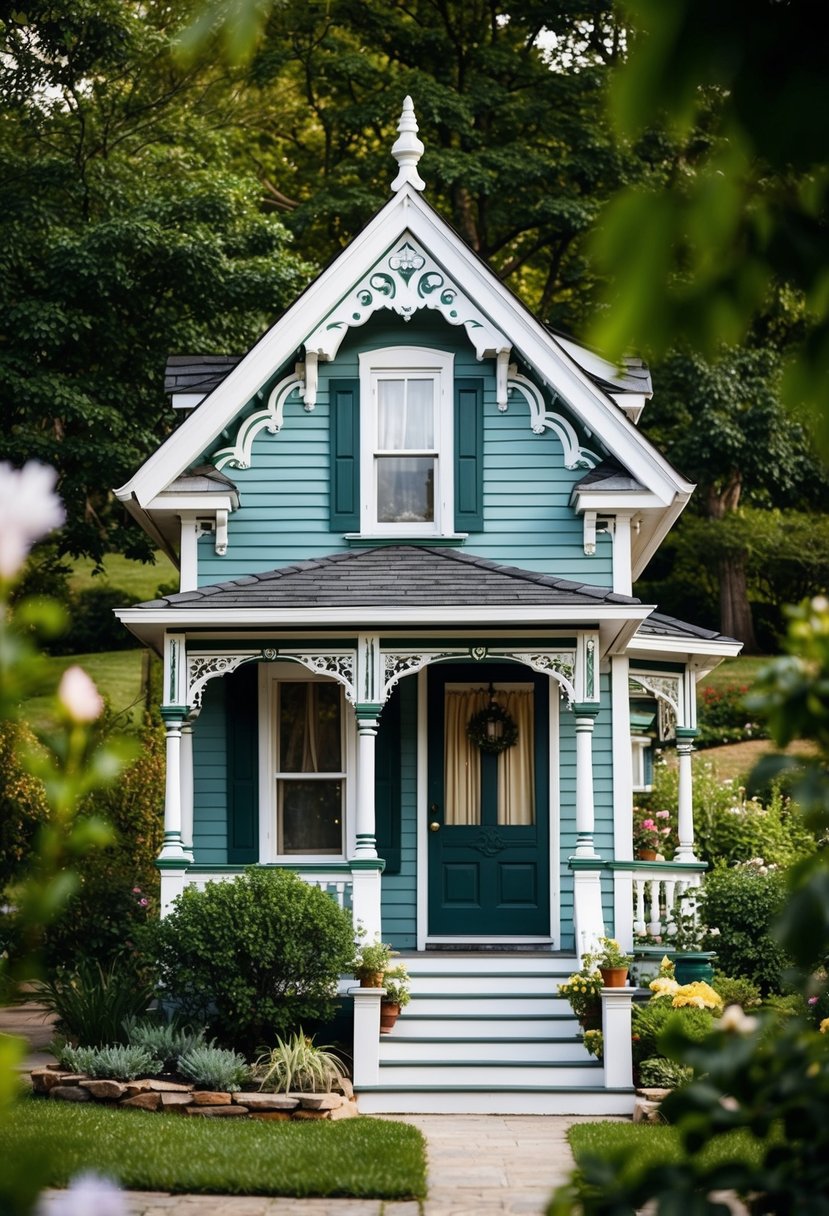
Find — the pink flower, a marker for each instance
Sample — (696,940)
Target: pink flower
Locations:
(28,510)
(812,1000)
(663,814)
(649,824)
(136,890)
(79,696)
(143,903)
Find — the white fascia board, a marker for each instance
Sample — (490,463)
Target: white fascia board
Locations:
(375,615)
(187,401)
(632,403)
(194,502)
(649,646)
(611,501)
(405,212)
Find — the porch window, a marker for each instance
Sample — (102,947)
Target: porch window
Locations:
(515,765)
(310,777)
(406,458)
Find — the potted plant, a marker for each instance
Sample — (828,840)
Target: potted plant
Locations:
(371,962)
(396,984)
(687,938)
(582,990)
(650,834)
(611,961)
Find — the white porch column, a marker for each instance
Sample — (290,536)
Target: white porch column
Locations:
(187,786)
(586,713)
(617,1004)
(366,1057)
(172,849)
(366,866)
(685,826)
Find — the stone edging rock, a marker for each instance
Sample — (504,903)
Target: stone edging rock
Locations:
(171,1097)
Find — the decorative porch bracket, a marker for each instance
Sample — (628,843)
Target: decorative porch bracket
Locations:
(340,665)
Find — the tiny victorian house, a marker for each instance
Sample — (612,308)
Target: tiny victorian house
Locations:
(405,659)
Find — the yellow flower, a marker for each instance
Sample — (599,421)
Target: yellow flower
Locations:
(663,986)
(824,1026)
(698,994)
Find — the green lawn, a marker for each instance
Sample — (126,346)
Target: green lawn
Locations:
(741,670)
(362,1158)
(116,673)
(635,1145)
(138,578)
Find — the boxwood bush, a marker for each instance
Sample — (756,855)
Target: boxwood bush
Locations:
(254,957)
(743,902)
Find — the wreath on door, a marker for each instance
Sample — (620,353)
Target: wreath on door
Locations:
(492,729)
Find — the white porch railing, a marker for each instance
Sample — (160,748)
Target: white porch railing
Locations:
(336,882)
(662,894)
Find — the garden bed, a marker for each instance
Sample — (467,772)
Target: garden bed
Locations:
(174,1097)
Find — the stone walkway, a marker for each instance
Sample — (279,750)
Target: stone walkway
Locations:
(496,1165)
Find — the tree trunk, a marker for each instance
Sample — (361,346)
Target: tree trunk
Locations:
(735,610)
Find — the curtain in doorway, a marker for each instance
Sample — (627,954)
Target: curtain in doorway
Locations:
(516,767)
(462,764)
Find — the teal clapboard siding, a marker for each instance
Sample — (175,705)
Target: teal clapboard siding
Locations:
(399,891)
(210,778)
(523,517)
(603,802)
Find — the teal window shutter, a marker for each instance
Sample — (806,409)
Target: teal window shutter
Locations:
(242,709)
(387,785)
(344,396)
(469,455)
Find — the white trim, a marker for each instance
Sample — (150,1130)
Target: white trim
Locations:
(405,362)
(554,811)
(375,614)
(683,647)
(189,549)
(407,213)
(622,583)
(201,501)
(271,675)
(622,797)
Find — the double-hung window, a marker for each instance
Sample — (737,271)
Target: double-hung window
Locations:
(406,456)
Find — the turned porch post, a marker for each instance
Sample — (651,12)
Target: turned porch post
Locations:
(366,866)
(685,809)
(586,713)
(172,849)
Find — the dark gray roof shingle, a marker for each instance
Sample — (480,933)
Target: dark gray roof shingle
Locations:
(608,476)
(660,625)
(197,373)
(394,576)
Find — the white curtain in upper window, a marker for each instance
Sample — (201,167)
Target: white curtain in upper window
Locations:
(406,415)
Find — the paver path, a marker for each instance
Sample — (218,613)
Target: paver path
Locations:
(488,1164)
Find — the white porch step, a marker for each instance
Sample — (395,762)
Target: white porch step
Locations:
(412,1048)
(500,983)
(484,1071)
(460,963)
(493,1004)
(494,1027)
(489,1100)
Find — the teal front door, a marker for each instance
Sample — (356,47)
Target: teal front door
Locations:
(489,829)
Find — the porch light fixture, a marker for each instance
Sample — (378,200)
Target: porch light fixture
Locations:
(492,729)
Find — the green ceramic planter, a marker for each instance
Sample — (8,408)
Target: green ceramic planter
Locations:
(688,968)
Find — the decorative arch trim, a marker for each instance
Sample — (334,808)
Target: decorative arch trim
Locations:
(339,665)
(238,455)
(668,693)
(406,280)
(542,419)
(559,665)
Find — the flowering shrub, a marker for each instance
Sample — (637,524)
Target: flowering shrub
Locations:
(651,831)
(582,990)
(608,954)
(722,717)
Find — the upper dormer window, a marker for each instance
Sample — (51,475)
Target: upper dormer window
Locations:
(407,476)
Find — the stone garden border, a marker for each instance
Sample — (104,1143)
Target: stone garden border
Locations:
(173,1097)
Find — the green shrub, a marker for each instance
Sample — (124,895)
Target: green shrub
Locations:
(298,1065)
(650,1020)
(657,1072)
(92,1004)
(23,805)
(214,1068)
(254,957)
(116,1063)
(118,896)
(167,1041)
(722,717)
(743,902)
(736,990)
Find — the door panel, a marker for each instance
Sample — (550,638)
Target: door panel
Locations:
(488,878)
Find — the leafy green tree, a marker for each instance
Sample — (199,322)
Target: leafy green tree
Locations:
(122,238)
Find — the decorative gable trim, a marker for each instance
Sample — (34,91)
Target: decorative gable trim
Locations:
(238,455)
(542,419)
(405,280)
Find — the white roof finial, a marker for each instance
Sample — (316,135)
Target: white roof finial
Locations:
(408,149)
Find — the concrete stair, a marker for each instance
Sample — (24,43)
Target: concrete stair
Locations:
(488,1033)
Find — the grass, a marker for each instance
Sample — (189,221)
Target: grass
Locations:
(362,1158)
(138,578)
(117,674)
(742,670)
(633,1146)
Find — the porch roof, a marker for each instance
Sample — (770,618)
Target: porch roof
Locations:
(389,586)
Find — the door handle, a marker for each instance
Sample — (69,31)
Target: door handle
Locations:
(434,826)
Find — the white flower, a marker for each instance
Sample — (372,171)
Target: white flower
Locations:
(28,510)
(734,1019)
(79,696)
(87,1195)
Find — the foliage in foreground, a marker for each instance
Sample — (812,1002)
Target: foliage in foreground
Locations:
(258,955)
(94,1006)
(364,1158)
(765,1076)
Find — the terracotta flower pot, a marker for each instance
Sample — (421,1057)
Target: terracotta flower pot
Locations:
(614,977)
(389,1013)
(371,979)
(646,854)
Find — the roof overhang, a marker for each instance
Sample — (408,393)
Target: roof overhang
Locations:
(702,655)
(616,624)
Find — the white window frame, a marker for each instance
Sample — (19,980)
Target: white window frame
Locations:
(404,361)
(271,676)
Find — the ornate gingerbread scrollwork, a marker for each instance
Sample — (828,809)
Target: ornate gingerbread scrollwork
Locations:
(490,842)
